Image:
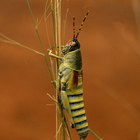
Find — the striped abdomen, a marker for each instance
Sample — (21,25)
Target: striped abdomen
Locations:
(75,97)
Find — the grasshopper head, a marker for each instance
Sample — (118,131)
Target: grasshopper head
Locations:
(71,46)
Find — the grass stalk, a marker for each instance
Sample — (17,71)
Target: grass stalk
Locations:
(56,18)
(64,28)
(46,29)
(55,43)
(40,41)
(57,63)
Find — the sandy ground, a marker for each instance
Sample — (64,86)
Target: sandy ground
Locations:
(111,62)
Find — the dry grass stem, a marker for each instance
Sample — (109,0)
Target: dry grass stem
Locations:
(7,40)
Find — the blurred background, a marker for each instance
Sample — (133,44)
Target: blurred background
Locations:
(110,43)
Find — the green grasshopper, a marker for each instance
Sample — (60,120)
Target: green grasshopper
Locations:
(70,79)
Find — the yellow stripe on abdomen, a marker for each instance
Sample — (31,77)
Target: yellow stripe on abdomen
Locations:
(75,98)
(78,112)
(80,126)
(80,118)
(76,105)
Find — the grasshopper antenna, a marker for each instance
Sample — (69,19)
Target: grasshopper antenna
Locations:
(81,26)
(73,27)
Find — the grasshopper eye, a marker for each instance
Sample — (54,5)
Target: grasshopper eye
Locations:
(73,44)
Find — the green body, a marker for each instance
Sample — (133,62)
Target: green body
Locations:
(72,96)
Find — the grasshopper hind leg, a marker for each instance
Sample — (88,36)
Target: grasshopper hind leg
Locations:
(66,106)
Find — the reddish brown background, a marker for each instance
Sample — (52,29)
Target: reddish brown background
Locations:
(111,62)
